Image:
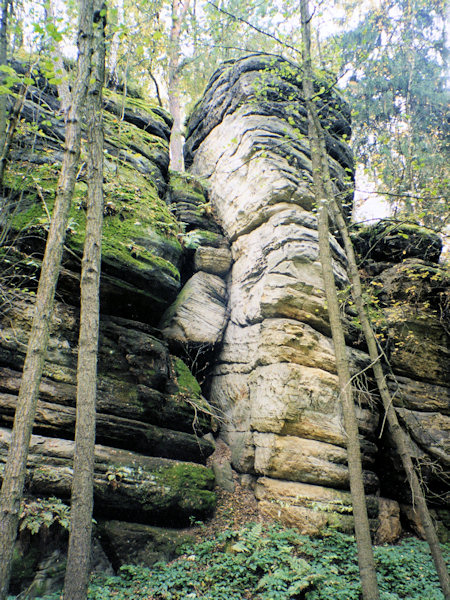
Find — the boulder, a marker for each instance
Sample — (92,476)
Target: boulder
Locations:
(140,544)
(213,260)
(309,508)
(389,529)
(199,313)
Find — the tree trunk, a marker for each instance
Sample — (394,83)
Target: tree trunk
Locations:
(82,501)
(61,74)
(398,435)
(322,194)
(113,54)
(3,60)
(14,475)
(179,10)
(11,129)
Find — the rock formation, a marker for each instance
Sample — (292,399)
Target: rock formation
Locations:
(221,281)
(151,415)
(275,377)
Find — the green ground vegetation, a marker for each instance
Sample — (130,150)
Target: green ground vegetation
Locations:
(272,563)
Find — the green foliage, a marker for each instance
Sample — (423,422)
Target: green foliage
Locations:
(399,94)
(43,512)
(271,563)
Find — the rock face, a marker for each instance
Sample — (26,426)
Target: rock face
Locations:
(275,377)
(413,297)
(151,415)
(227,278)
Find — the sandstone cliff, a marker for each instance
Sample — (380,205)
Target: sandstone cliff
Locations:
(275,376)
(216,274)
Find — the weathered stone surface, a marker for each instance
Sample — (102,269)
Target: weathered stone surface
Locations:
(56,420)
(199,313)
(430,431)
(419,395)
(276,272)
(140,248)
(39,562)
(139,544)
(388,242)
(125,483)
(389,529)
(309,508)
(309,461)
(274,380)
(190,205)
(412,294)
(138,379)
(213,260)
(420,348)
(271,86)
(221,465)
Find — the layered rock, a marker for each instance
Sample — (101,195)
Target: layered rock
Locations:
(275,378)
(141,250)
(151,415)
(411,294)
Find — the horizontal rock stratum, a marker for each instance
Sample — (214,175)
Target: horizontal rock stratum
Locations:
(275,376)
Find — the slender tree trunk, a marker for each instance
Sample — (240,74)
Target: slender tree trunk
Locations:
(63,84)
(79,554)
(113,54)
(10,130)
(3,60)
(397,433)
(15,468)
(179,10)
(322,193)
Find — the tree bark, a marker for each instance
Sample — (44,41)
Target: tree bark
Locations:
(82,502)
(179,10)
(8,136)
(63,84)
(398,435)
(3,61)
(323,198)
(14,476)
(113,54)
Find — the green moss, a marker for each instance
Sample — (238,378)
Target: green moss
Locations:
(133,211)
(147,106)
(192,484)
(201,237)
(191,185)
(187,475)
(186,381)
(122,134)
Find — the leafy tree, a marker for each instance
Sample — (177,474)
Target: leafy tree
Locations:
(397,59)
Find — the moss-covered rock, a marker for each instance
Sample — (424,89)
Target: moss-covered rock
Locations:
(140,234)
(127,485)
(391,241)
(189,202)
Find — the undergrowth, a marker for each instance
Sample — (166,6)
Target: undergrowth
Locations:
(272,563)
